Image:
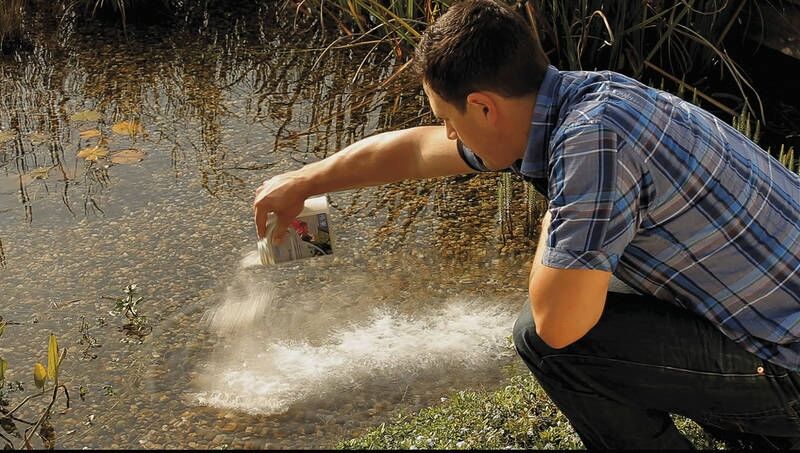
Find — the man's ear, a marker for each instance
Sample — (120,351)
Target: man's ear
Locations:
(484,103)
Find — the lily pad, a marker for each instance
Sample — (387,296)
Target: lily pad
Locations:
(40,173)
(93,153)
(7,136)
(86,115)
(127,128)
(128,156)
(37,138)
(91,133)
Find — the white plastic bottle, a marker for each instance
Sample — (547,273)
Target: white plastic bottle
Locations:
(308,235)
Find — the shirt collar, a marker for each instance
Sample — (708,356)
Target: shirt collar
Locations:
(545,116)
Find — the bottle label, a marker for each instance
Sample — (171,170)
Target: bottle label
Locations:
(308,235)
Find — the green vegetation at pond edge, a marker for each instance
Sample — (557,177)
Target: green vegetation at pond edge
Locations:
(16,430)
(672,37)
(517,416)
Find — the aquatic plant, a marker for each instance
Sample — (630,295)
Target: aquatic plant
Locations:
(128,305)
(786,157)
(10,417)
(88,341)
(404,20)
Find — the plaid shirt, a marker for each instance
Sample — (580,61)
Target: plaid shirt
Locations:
(672,200)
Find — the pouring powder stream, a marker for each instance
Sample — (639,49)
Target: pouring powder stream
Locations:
(239,310)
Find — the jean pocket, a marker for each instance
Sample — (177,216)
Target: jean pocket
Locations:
(779,421)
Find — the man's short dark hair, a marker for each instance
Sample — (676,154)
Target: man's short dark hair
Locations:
(480,45)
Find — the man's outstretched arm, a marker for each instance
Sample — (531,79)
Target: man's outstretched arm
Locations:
(416,153)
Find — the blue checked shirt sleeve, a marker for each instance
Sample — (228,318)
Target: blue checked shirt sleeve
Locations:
(593,209)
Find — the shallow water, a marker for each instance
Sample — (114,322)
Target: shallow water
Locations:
(418,300)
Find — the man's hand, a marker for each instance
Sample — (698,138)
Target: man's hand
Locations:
(283,195)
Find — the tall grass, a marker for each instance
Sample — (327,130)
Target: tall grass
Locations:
(403,20)
(122,11)
(752,130)
(677,37)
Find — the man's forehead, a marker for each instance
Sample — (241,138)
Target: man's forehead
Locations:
(432,99)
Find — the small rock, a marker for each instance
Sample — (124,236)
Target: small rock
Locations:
(218,439)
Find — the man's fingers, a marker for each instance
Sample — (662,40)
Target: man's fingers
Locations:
(279,234)
(261,222)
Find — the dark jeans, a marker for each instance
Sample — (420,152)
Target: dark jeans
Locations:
(646,359)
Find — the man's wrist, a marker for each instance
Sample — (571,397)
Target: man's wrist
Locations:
(303,183)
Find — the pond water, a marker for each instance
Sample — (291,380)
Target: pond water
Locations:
(418,300)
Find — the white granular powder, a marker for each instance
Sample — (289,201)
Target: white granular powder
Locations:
(239,311)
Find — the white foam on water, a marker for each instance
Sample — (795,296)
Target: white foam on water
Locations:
(269,378)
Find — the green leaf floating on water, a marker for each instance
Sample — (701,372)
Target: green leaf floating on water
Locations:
(128,156)
(127,128)
(3,368)
(93,152)
(7,136)
(39,375)
(40,173)
(37,138)
(86,115)
(52,359)
(91,133)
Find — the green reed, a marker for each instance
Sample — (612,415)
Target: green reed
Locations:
(403,20)
(752,130)
(634,37)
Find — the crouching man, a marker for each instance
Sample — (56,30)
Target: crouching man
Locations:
(696,218)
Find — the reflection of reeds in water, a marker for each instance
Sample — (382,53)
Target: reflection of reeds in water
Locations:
(31,109)
(11,18)
(310,106)
(338,98)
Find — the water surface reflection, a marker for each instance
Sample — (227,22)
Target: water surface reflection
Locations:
(222,107)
